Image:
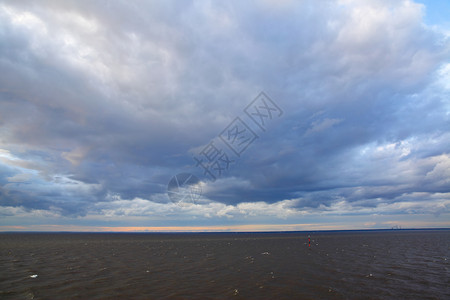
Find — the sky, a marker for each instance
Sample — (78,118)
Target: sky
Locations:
(285,115)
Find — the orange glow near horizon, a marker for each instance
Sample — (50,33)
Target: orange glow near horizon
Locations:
(232,228)
(223,228)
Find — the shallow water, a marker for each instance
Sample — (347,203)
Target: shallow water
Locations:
(339,265)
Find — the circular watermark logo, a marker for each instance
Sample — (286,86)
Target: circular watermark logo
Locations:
(184,188)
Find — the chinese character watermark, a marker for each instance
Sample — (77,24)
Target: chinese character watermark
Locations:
(215,160)
(262,110)
(184,188)
(238,136)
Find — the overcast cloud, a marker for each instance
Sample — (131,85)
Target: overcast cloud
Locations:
(102,102)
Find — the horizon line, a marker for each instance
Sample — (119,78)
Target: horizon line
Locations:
(212,230)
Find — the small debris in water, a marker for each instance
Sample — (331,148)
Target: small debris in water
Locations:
(236,292)
(252,260)
(265,253)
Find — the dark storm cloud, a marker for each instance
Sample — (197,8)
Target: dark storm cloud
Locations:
(113,97)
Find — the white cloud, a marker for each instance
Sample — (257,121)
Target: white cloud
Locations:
(21,212)
(23,177)
(322,125)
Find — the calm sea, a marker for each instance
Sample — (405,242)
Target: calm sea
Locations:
(396,264)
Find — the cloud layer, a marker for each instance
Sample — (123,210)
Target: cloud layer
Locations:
(102,103)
